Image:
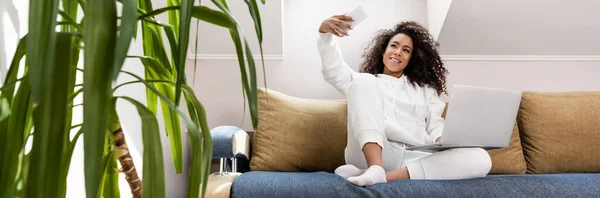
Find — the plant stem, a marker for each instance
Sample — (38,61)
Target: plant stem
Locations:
(121,151)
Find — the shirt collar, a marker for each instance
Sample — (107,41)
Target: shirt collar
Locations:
(403,78)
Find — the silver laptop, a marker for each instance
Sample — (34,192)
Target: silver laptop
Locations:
(478,117)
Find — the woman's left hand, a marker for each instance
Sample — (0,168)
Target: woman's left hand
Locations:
(438,139)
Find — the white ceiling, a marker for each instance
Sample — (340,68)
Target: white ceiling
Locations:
(521,27)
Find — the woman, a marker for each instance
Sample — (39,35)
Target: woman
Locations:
(394,103)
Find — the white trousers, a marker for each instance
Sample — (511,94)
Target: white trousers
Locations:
(366,124)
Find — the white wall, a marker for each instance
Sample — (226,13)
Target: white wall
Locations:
(218,83)
(13,26)
(436,15)
(516,27)
(538,45)
(211,36)
(547,76)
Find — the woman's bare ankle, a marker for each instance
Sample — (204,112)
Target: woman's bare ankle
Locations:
(399,174)
(372,152)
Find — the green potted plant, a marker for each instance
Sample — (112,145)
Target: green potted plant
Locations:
(37,97)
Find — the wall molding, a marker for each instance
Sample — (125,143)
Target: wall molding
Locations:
(505,58)
(520,58)
(267,57)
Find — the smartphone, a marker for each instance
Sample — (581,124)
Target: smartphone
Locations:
(358,14)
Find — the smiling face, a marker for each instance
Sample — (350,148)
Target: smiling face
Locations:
(397,54)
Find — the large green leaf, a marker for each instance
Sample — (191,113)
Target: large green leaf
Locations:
(4,115)
(196,51)
(68,119)
(237,41)
(173,128)
(222,3)
(66,163)
(100,38)
(106,180)
(201,146)
(69,7)
(235,36)
(69,21)
(15,142)
(126,30)
(171,120)
(213,16)
(149,50)
(13,70)
(170,32)
(201,143)
(154,48)
(255,13)
(41,42)
(145,5)
(152,38)
(158,50)
(153,183)
(24,161)
(159,11)
(153,44)
(252,94)
(155,66)
(50,130)
(6,98)
(151,98)
(174,14)
(111,178)
(193,185)
(184,36)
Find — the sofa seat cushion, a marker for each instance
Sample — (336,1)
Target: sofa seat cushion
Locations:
(323,184)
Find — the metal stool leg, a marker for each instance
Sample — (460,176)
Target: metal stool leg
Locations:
(233,165)
(223,166)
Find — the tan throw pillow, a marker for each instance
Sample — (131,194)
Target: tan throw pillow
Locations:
(560,132)
(507,160)
(295,134)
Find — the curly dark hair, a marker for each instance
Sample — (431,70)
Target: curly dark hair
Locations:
(425,66)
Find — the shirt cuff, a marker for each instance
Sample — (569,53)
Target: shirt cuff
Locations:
(370,136)
(436,133)
(325,38)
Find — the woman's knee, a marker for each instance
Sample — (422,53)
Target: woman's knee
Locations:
(481,162)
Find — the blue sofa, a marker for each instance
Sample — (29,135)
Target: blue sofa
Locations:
(324,184)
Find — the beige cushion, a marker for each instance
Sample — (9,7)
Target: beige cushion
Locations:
(295,134)
(509,160)
(560,132)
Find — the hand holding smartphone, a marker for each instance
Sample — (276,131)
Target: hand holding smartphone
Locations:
(339,25)
(358,14)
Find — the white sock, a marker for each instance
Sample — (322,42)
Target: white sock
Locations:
(375,174)
(348,170)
